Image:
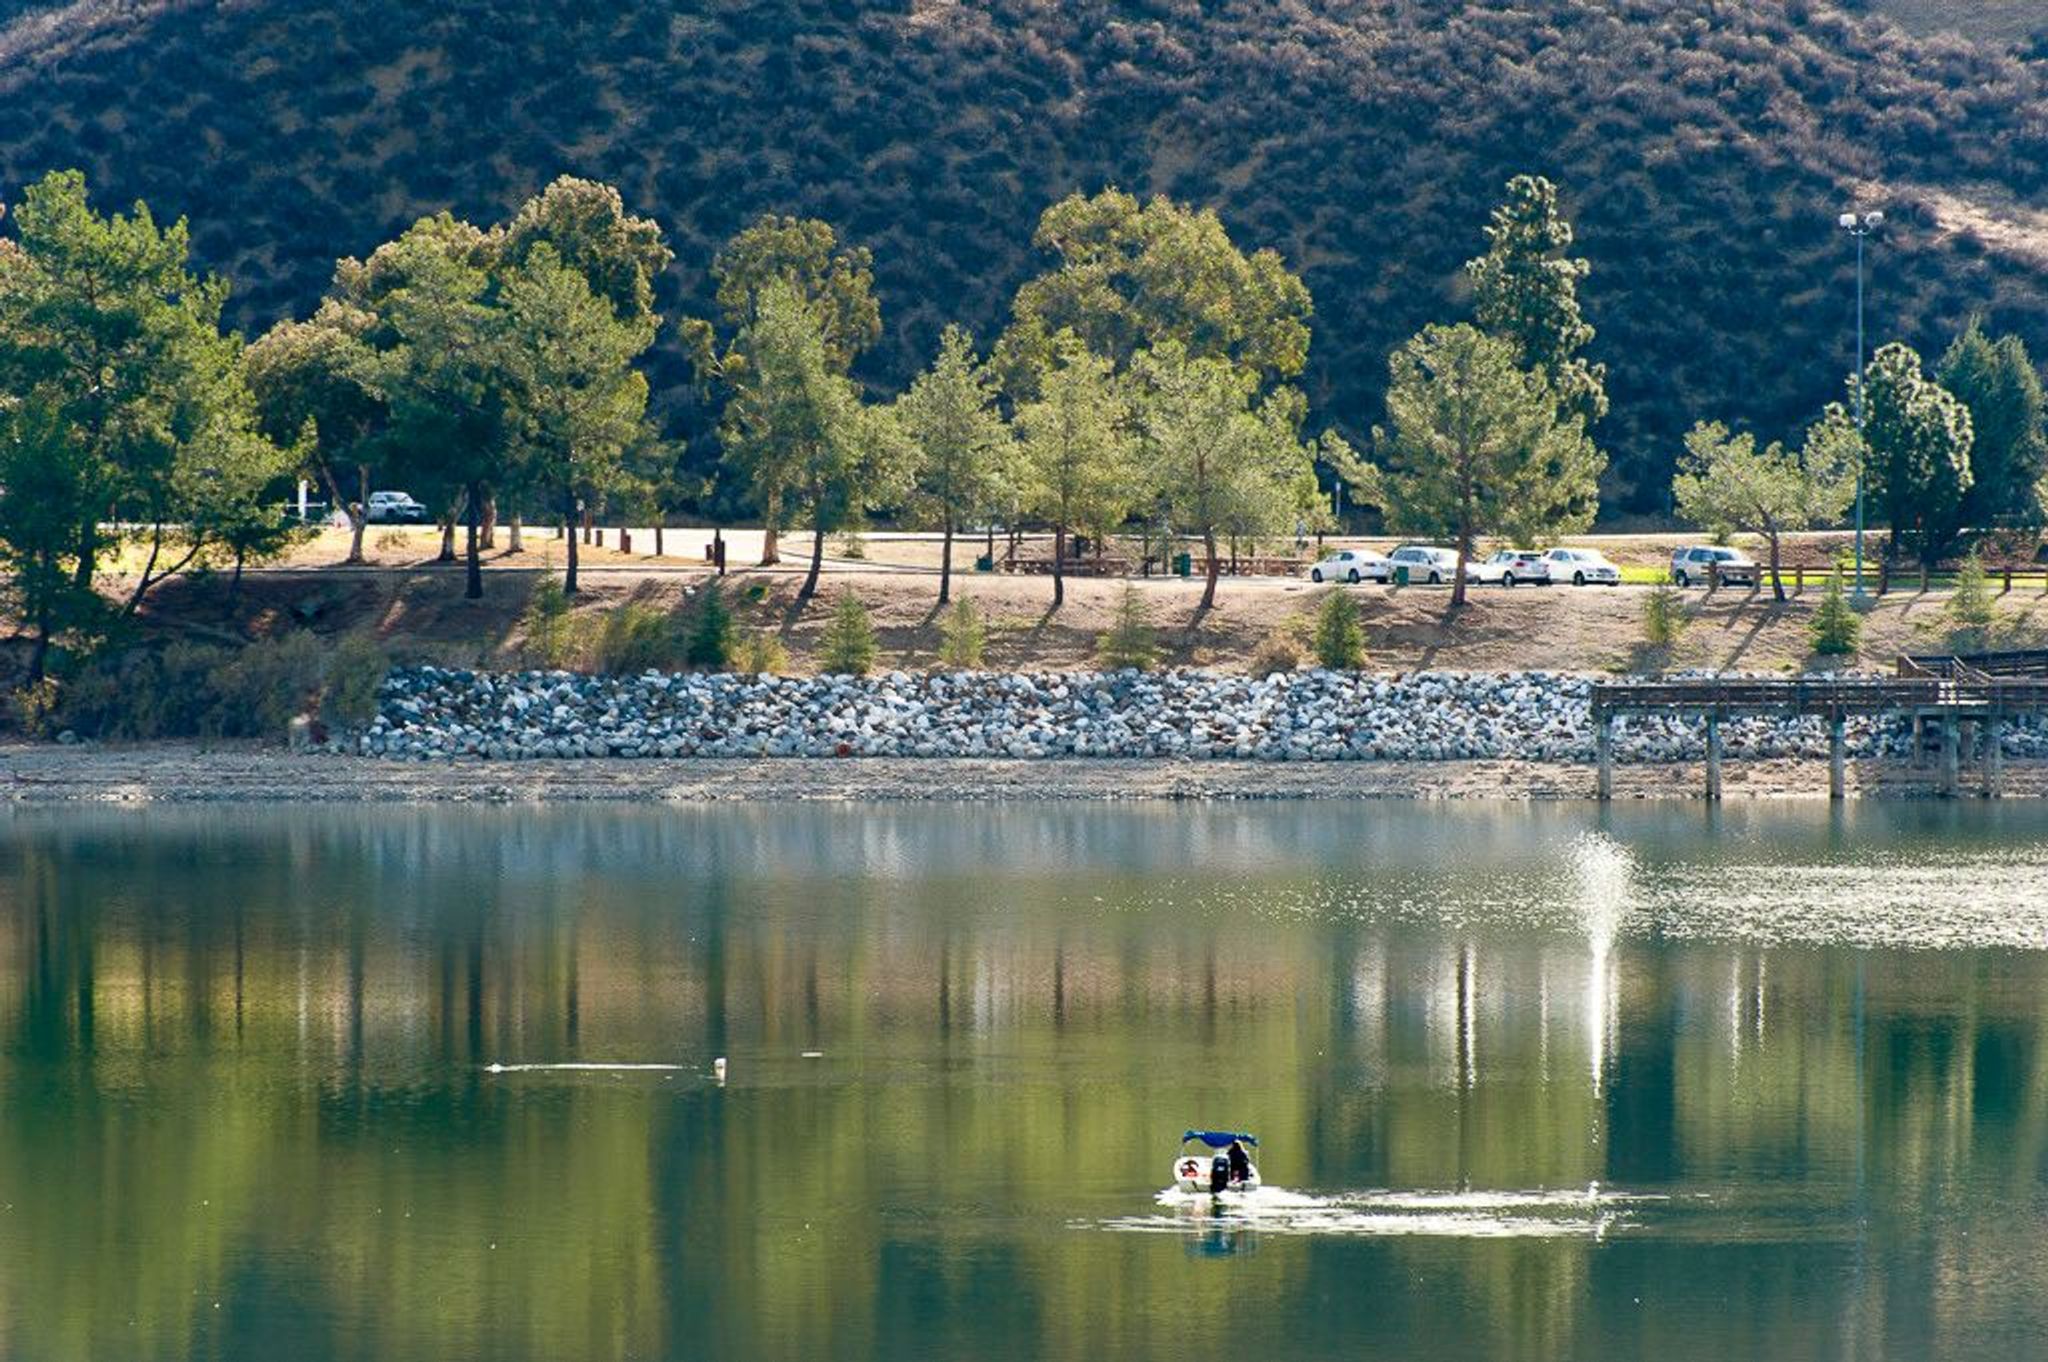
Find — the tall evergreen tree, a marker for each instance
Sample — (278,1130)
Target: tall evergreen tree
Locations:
(835,284)
(959,442)
(1221,461)
(796,430)
(1996,380)
(1916,451)
(1478,444)
(577,403)
(1074,453)
(1526,291)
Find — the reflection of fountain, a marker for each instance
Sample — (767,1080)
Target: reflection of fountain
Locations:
(1603,871)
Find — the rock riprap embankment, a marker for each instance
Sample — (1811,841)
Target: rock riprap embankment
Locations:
(428,712)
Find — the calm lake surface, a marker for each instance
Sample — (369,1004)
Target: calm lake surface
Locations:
(1542,1083)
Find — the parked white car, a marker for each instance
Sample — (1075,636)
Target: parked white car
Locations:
(1710,563)
(395,508)
(1352,565)
(1425,563)
(1582,567)
(1510,567)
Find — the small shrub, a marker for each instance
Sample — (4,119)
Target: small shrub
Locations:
(962,635)
(1663,615)
(390,541)
(713,634)
(548,624)
(1340,638)
(636,637)
(1130,641)
(257,691)
(760,652)
(355,673)
(853,545)
(1970,611)
(1835,628)
(848,645)
(34,706)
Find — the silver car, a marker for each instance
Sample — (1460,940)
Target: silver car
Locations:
(1711,563)
(1425,563)
(1511,566)
(1352,565)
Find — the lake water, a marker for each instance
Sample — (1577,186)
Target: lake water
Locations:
(1544,1083)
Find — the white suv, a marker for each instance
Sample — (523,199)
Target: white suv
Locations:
(389,508)
(1424,563)
(1711,563)
(1582,567)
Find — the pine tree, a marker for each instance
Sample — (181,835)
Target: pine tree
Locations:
(1970,611)
(848,646)
(1663,615)
(1130,642)
(962,634)
(1340,640)
(1836,629)
(713,635)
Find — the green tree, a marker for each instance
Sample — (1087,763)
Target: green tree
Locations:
(1131,642)
(797,432)
(1130,277)
(323,373)
(1340,639)
(1726,485)
(1997,382)
(1663,615)
(1835,628)
(1221,460)
(714,636)
(1970,611)
(48,473)
(104,329)
(445,373)
(848,646)
(578,404)
(958,440)
(1478,445)
(962,633)
(587,226)
(1074,453)
(1525,291)
(1917,441)
(835,284)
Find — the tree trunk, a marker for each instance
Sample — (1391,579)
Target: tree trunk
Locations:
(359,514)
(38,661)
(515,537)
(235,583)
(1059,566)
(946,565)
(658,550)
(810,587)
(1210,570)
(569,526)
(473,589)
(448,535)
(490,527)
(1458,573)
(771,533)
(1777,584)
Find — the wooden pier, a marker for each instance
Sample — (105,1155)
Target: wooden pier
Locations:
(1935,702)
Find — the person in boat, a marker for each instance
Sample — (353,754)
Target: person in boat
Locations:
(1240,1163)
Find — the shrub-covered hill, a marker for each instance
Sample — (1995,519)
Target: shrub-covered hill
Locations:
(1704,147)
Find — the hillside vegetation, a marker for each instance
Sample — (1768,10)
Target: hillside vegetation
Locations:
(1703,147)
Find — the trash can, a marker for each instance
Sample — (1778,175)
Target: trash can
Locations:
(1183,565)
(985,563)
(1400,574)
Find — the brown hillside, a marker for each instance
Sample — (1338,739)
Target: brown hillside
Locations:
(1704,146)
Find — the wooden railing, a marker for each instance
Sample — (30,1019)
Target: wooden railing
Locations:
(1978,693)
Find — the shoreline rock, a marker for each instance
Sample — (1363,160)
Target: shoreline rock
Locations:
(430,713)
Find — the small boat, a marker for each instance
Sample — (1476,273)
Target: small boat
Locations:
(1204,1162)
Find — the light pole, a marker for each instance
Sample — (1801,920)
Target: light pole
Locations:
(1860,226)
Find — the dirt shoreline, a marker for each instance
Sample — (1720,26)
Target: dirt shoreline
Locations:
(191,773)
